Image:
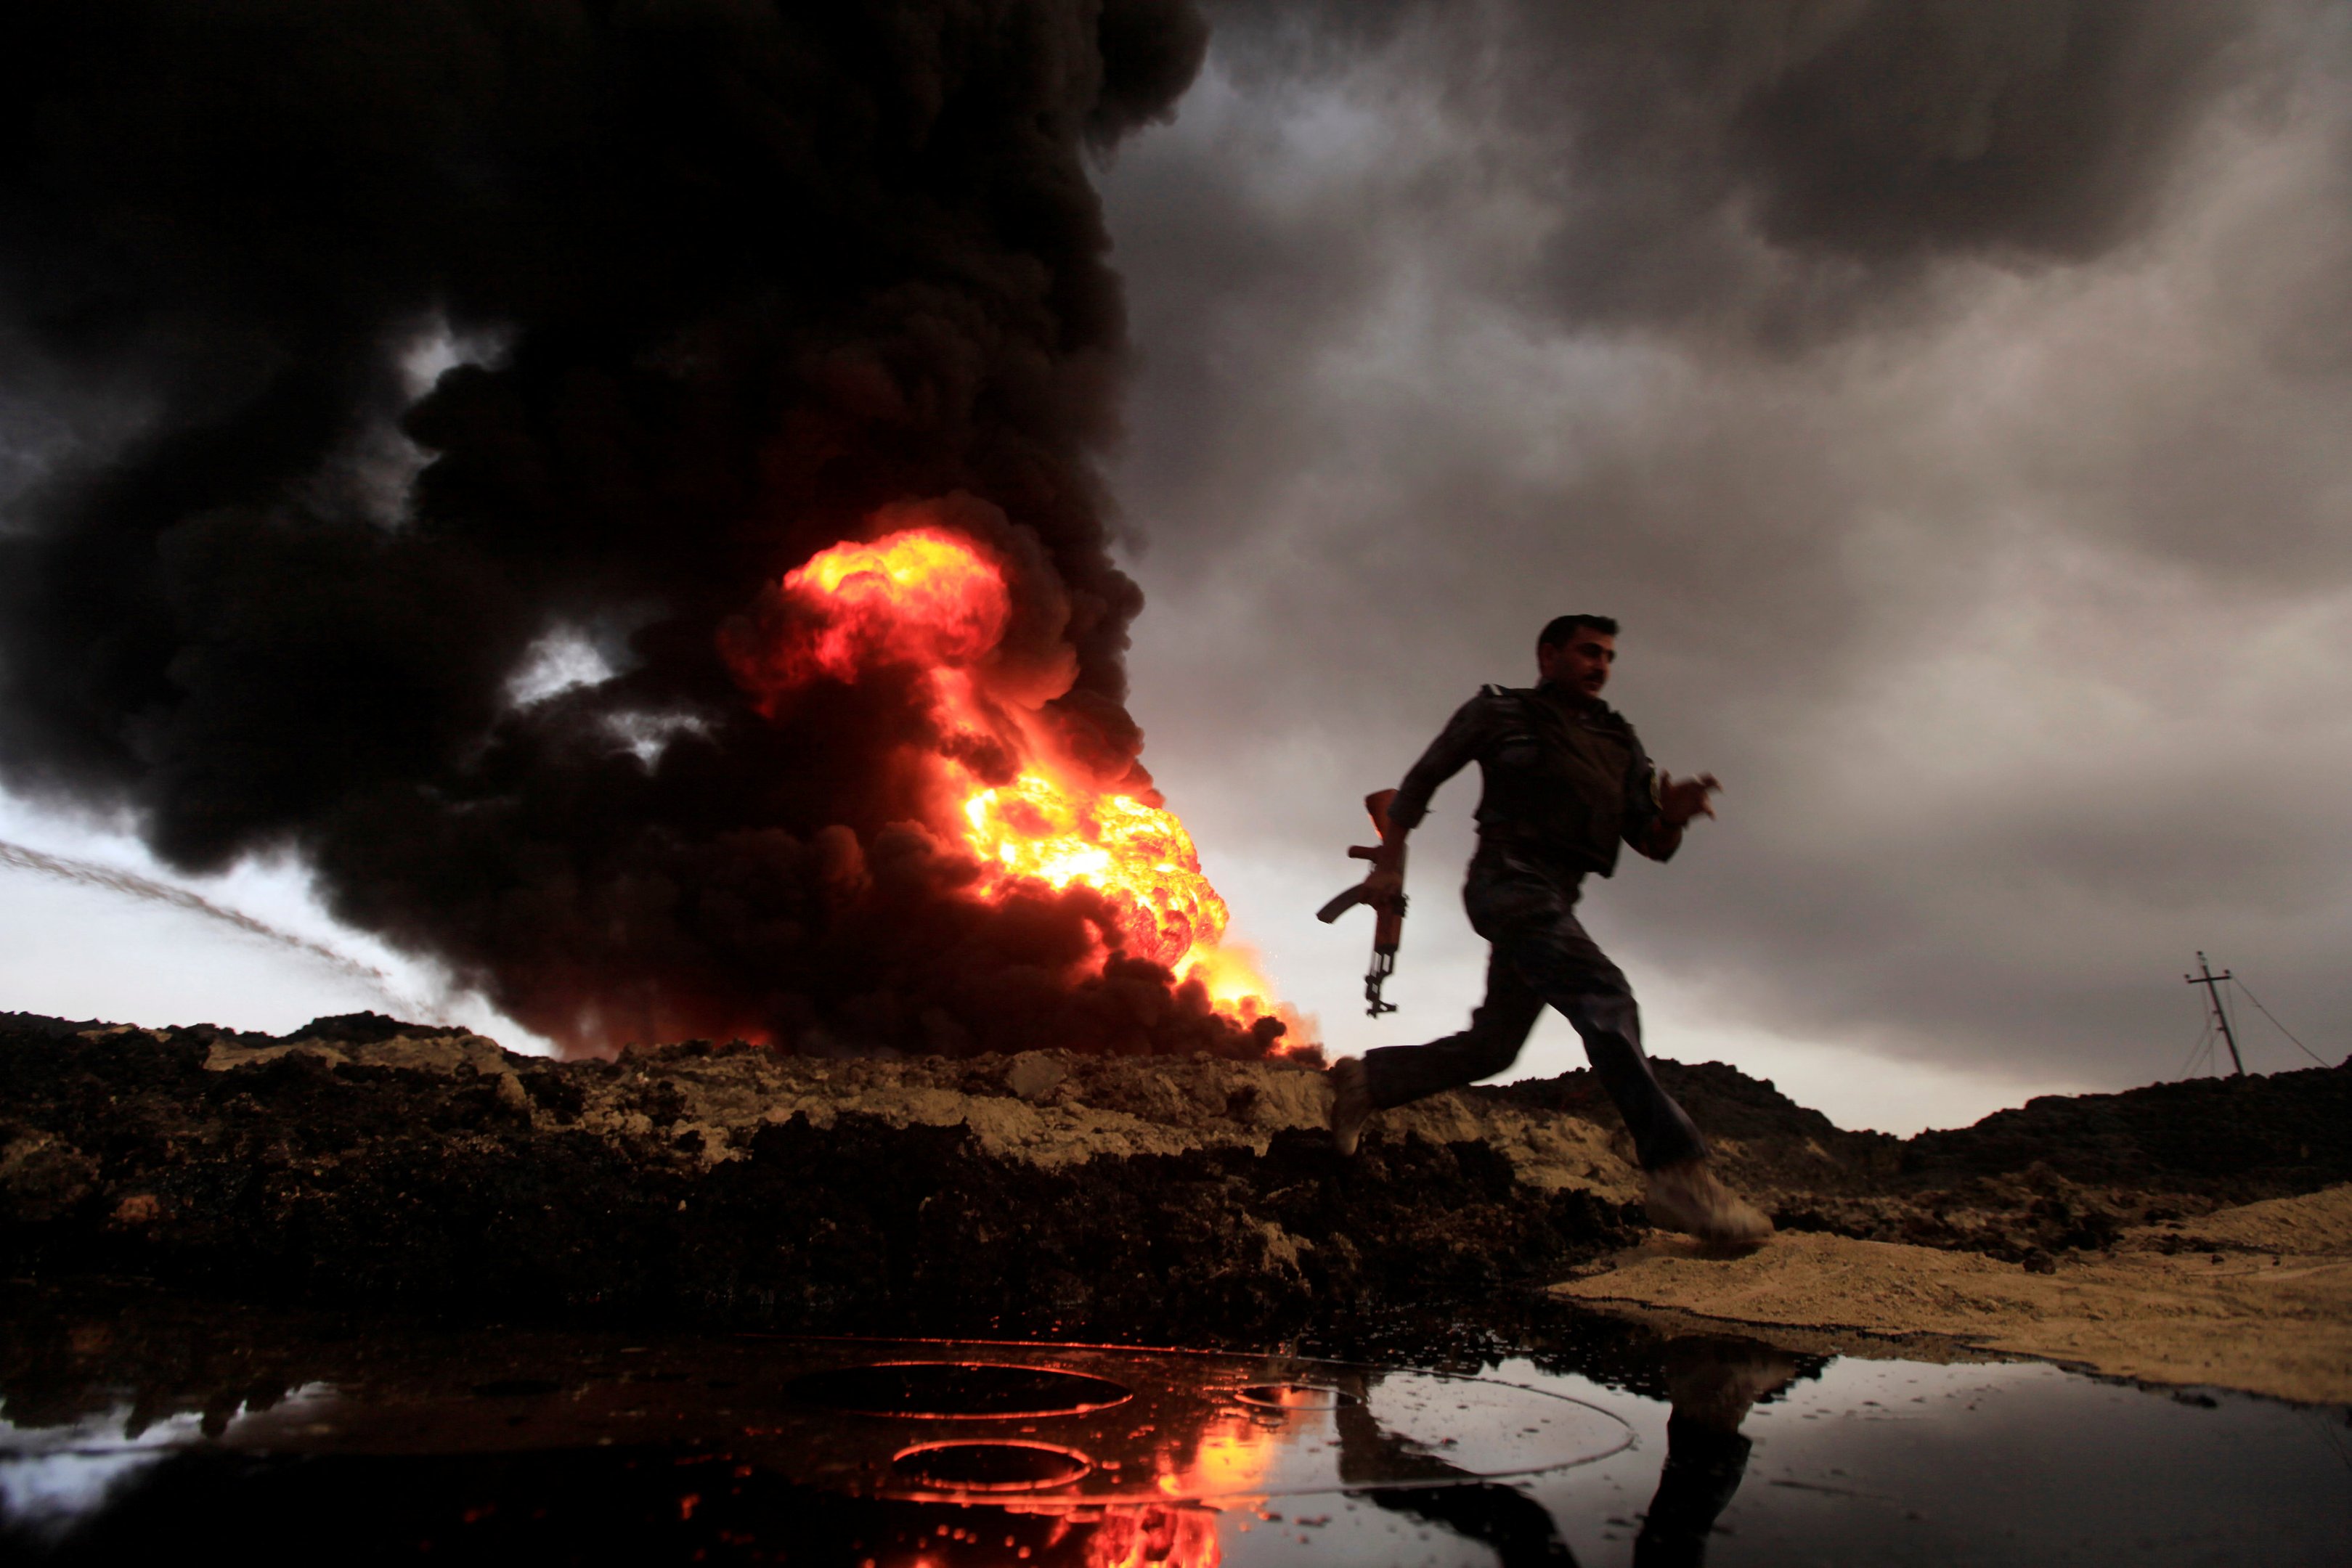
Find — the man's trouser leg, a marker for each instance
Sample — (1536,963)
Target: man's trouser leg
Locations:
(1542,954)
(1399,1074)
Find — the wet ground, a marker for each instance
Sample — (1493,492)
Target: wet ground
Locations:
(138,1424)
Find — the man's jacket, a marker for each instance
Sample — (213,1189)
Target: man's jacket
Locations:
(1566,780)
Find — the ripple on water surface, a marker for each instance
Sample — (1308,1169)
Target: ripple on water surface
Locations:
(1592,1444)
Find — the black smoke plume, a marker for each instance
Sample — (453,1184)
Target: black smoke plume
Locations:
(738,274)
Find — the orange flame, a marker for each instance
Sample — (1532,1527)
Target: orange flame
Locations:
(934,600)
(917,596)
(1139,853)
(1156,1538)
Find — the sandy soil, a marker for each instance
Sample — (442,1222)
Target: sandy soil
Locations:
(2257,1297)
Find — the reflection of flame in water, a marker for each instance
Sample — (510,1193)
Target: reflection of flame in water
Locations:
(1232,1455)
(931,599)
(1167,1536)
(1231,1460)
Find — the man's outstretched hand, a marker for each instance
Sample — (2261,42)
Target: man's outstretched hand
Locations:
(1385,886)
(1680,799)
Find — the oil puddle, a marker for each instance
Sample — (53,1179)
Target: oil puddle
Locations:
(139,1430)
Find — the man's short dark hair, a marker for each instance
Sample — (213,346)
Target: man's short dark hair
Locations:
(1561,629)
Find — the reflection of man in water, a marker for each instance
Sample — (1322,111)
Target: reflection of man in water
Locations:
(1519,1528)
(1565,780)
(1714,1383)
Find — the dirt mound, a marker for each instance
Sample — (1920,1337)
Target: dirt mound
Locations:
(1047,1192)
(1032,1194)
(2059,1174)
(2233,1140)
(1764,1140)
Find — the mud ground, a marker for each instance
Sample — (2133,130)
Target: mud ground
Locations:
(363,1160)
(2256,1298)
(2198,1232)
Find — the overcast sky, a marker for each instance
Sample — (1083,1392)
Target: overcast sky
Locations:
(1952,411)
(1993,552)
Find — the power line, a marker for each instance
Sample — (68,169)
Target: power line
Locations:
(2274,1022)
(2204,1037)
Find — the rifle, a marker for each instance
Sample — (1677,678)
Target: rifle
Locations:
(1389,930)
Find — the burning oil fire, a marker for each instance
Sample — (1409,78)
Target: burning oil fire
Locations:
(930,598)
(1149,1537)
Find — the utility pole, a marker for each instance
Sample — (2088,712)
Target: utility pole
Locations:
(2206,977)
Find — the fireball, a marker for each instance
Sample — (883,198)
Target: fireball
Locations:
(930,598)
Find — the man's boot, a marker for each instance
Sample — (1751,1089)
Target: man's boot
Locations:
(1687,1198)
(1352,1102)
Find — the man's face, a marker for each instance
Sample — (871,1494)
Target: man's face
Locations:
(1581,663)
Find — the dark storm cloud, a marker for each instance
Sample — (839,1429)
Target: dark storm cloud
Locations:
(1776,167)
(750,272)
(1946,396)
